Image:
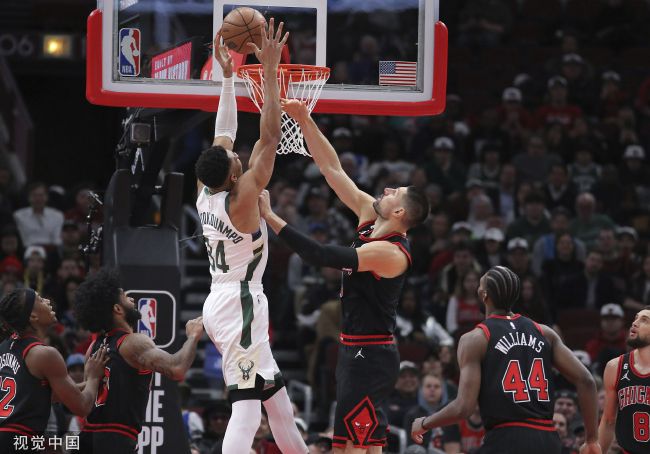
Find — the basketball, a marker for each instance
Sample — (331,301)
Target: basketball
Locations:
(242,26)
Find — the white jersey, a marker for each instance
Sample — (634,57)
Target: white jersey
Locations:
(234,256)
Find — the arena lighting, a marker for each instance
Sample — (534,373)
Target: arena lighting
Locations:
(57,46)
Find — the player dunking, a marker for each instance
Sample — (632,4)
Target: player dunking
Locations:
(506,366)
(31,372)
(235,314)
(374,274)
(116,419)
(627,392)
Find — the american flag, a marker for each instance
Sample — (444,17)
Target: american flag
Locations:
(398,73)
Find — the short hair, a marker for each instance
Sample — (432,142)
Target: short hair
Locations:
(95,298)
(417,206)
(503,287)
(12,318)
(213,166)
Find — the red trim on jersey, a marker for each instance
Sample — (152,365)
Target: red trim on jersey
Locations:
(541,421)
(365,336)
(121,432)
(485,329)
(375,275)
(539,328)
(506,317)
(121,339)
(406,253)
(113,331)
(29,347)
(523,424)
(379,339)
(20,426)
(634,371)
(365,224)
(16,431)
(619,367)
(362,237)
(90,347)
(144,372)
(109,425)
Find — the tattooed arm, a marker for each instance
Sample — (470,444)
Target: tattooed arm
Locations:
(140,352)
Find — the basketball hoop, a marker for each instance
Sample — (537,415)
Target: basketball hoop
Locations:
(302,82)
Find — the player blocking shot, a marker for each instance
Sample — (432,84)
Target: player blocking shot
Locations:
(374,272)
(32,373)
(235,314)
(505,366)
(627,392)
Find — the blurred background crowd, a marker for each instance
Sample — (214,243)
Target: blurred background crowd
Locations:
(539,163)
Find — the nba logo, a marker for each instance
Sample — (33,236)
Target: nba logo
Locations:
(129,45)
(147,324)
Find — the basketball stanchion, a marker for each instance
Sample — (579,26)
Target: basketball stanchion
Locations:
(302,82)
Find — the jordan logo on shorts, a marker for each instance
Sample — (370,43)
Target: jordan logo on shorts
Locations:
(361,422)
(359,354)
(245,367)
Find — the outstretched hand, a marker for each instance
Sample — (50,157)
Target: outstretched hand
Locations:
(95,364)
(222,55)
(272,44)
(295,108)
(264,203)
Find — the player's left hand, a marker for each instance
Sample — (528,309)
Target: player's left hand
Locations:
(264,202)
(590,448)
(222,55)
(417,431)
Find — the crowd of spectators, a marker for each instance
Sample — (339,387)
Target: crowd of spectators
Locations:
(549,178)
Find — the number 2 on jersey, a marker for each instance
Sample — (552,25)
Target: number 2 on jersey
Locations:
(217,256)
(7,384)
(513,381)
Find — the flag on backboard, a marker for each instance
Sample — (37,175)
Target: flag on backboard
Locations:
(398,73)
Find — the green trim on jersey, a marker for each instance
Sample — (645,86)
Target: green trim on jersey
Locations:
(247,299)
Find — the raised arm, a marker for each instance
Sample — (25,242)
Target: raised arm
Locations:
(573,370)
(471,349)
(225,127)
(140,352)
(328,162)
(243,201)
(608,419)
(48,363)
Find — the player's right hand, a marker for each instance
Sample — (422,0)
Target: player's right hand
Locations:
(95,364)
(222,55)
(264,202)
(272,44)
(295,108)
(590,448)
(194,327)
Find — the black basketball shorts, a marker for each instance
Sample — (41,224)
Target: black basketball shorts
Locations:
(518,440)
(365,377)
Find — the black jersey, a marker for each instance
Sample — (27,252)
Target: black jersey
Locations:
(25,400)
(123,394)
(516,374)
(369,302)
(633,419)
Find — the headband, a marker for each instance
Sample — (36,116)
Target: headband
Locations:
(30,297)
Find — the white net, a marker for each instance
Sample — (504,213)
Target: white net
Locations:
(301,82)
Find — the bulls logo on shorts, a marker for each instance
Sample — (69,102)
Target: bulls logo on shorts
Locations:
(147,324)
(361,422)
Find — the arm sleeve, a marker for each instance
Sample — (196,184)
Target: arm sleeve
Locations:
(318,254)
(226,123)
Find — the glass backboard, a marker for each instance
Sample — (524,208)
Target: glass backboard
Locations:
(386,56)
